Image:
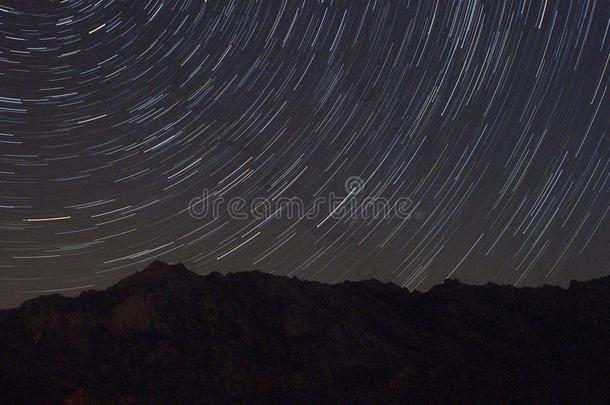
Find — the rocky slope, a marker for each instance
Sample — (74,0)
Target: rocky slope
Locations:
(167,335)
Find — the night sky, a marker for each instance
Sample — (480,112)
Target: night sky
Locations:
(492,117)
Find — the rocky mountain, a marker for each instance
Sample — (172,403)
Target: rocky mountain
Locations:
(166,335)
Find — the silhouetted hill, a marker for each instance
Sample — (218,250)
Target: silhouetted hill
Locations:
(166,335)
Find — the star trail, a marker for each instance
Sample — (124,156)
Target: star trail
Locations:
(492,117)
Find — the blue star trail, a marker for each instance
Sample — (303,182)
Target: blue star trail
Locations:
(492,117)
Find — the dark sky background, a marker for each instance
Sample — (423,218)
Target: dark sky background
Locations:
(492,117)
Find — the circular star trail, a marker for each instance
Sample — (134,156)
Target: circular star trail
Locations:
(492,117)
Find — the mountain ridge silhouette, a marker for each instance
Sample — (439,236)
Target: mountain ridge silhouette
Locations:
(166,334)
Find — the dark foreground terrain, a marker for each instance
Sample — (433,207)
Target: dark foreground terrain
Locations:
(167,335)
